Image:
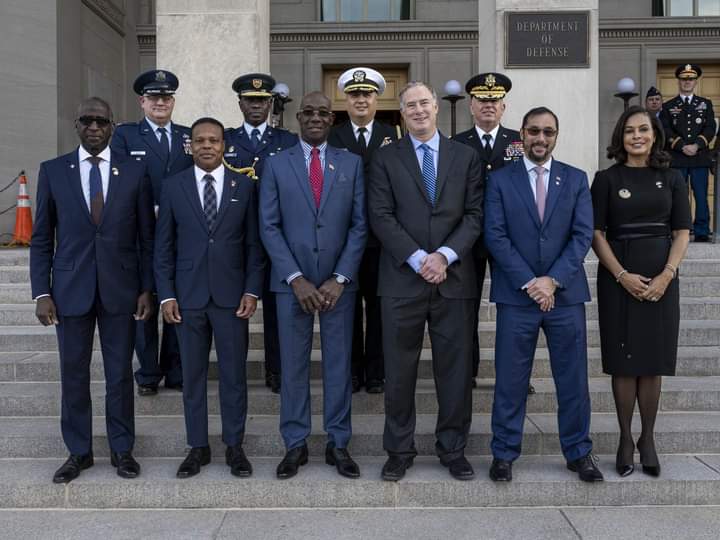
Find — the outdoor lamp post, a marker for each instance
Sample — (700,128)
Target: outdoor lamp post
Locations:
(281,93)
(626,91)
(453,89)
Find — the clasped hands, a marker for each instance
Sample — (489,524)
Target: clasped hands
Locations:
(433,268)
(542,291)
(644,288)
(690,149)
(314,299)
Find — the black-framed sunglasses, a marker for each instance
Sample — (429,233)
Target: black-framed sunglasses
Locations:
(309,113)
(535,131)
(101,121)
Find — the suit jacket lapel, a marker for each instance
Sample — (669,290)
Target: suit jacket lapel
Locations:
(521,182)
(177,147)
(409,160)
(229,188)
(346,135)
(332,162)
(73,175)
(556,182)
(376,138)
(113,180)
(297,161)
(189,185)
(445,158)
(150,138)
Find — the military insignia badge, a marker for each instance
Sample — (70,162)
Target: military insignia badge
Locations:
(385,141)
(187,148)
(514,151)
(160,76)
(490,80)
(231,149)
(257,84)
(659,185)
(233,183)
(624,193)
(359,76)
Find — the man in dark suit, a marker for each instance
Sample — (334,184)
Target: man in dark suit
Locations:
(91,263)
(251,145)
(313,226)
(425,206)
(362,135)
(690,126)
(497,146)
(538,229)
(209,269)
(653,101)
(164,147)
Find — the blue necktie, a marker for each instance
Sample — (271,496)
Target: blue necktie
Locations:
(96,190)
(164,146)
(428,172)
(255,138)
(209,201)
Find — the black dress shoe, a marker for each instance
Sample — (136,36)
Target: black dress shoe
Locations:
(176,386)
(531,389)
(374,387)
(340,458)
(292,461)
(272,381)
(702,238)
(460,469)
(145,390)
(501,470)
(125,464)
(196,458)
(70,470)
(355,384)
(238,462)
(586,469)
(395,467)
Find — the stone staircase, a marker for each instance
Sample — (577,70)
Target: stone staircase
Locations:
(688,427)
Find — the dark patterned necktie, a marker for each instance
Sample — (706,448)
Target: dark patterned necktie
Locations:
(488,149)
(96,190)
(209,201)
(316,175)
(255,138)
(164,146)
(361,140)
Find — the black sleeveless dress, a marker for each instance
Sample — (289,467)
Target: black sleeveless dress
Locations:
(638,207)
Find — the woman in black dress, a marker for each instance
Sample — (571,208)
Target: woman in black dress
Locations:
(642,228)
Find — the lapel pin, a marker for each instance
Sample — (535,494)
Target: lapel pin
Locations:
(557,182)
(624,193)
(233,183)
(659,185)
(115,171)
(331,166)
(72,165)
(231,149)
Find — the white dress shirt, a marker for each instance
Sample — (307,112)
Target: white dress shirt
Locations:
(85,167)
(368,133)
(168,131)
(249,129)
(219,176)
(493,135)
(530,168)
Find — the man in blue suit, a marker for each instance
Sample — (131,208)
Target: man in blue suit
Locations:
(313,226)
(538,229)
(251,145)
(165,148)
(209,270)
(91,263)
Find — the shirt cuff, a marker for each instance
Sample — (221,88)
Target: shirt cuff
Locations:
(167,300)
(415,260)
(533,280)
(449,254)
(289,279)
(255,296)
(347,279)
(39,296)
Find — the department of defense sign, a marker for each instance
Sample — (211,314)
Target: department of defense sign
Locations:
(537,39)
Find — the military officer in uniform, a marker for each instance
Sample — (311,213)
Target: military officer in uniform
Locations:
(653,101)
(362,135)
(164,147)
(690,126)
(250,145)
(497,146)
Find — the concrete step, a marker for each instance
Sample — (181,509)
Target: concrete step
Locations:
(690,286)
(43,399)
(542,481)
(40,338)
(695,309)
(44,366)
(164,436)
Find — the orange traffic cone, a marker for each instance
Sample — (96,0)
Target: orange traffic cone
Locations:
(23,215)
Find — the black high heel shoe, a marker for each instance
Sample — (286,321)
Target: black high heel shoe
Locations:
(650,466)
(623,465)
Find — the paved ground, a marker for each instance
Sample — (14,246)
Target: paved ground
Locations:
(616,523)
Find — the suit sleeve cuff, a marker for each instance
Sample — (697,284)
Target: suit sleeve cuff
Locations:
(533,280)
(415,260)
(290,278)
(449,254)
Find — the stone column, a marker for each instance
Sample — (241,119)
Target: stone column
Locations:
(572,93)
(207,44)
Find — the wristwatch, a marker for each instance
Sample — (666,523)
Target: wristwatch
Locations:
(556,283)
(342,280)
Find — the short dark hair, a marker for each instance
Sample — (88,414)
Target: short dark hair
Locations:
(95,100)
(537,111)
(658,158)
(208,120)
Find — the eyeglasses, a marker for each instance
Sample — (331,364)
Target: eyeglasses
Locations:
(309,113)
(535,131)
(101,121)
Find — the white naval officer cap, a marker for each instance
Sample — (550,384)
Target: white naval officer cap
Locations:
(361,78)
